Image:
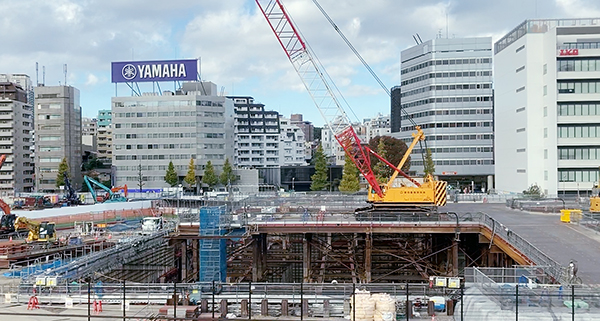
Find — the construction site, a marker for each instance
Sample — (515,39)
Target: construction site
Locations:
(400,249)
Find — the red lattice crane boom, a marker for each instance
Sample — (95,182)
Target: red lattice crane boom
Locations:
(321,92)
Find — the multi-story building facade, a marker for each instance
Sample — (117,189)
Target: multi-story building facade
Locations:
(57,135)
(22,80)
(104,135)
(16,125)
(89,135)
(309,133)
(292,144)
(447,90)
(256,134)
(377,126)
(396,109)
(547,115)
(151,130)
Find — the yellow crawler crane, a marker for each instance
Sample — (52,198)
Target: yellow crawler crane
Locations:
(409,192)
(42,232)
(396,197)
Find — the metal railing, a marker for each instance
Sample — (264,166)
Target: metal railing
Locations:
(482,299)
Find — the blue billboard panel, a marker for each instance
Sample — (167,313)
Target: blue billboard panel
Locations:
(161,70)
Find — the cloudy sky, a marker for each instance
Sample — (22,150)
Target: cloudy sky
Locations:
(238,50)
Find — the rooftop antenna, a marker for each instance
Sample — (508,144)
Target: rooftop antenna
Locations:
(421,41)
(416,41)
(446,22)
(43,75)
(65,71)
(37,75)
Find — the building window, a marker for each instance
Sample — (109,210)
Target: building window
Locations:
(545,69)
(520,48)
(520,109)
(520,89)
(520,130)
(545,132)
(545,175)
(545,90)
(520,69)
(545,111)
(545,154)
(521,171)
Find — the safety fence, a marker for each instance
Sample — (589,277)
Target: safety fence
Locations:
(479,298)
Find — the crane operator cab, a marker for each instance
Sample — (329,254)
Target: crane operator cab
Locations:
(47,231)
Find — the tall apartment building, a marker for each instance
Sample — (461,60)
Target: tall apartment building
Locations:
(151,130)
(256,134)
(16,125)
(104,135)
(57,135)
(292,144)
(447,90)
(547,113)
(306,126)
(22,80)
(377,126)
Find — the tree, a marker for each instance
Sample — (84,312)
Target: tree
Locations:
(350,178)
(534,191)
(395,150)
(429,167)
(63,168)
(171,177)
(227,176)
(209,178)
(319,178)
(140,177)
(381,170)
(190,177)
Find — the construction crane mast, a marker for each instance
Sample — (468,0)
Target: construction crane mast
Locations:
(321,92)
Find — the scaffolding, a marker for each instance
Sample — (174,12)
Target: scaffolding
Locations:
(213,249)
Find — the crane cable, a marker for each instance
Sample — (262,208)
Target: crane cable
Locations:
(358,55)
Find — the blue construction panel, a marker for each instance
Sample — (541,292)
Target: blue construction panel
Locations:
(213,252)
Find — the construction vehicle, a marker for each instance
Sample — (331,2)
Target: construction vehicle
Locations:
(110,197)
(7,222)
(403,195)
(70,198)
(38,232)
(152,224)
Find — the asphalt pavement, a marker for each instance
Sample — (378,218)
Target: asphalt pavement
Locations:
(561,241)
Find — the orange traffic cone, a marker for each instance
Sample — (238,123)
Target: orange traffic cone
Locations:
(10,239)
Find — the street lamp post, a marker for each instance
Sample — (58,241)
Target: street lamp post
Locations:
(293,178)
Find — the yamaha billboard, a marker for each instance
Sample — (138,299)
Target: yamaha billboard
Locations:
(161,70)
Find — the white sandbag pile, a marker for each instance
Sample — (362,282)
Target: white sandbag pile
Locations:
(364,308)
(385,307)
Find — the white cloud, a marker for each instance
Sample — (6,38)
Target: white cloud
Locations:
(578,8)
(235,43)
(91,80)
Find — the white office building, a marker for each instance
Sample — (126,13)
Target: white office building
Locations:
(377,126)
(151,130)
(547,107)
(291,143)
(447,90)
